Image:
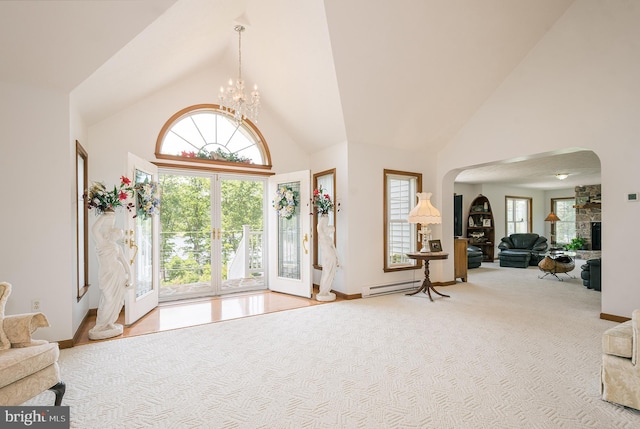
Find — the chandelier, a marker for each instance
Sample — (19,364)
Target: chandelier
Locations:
(233,99)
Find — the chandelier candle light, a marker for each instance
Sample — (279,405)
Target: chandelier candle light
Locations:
(233,99)
(425,214)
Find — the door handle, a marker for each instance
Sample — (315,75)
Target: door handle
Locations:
(132,245)
(304,240)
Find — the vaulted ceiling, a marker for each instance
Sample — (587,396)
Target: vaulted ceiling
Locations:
(395,73)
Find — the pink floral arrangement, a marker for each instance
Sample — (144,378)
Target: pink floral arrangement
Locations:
(322,201)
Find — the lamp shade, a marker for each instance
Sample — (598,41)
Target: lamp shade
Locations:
(424,213)
(552,217)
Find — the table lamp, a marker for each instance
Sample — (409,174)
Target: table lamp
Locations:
(424,214)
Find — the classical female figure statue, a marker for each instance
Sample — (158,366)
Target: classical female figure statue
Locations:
(329,259)
(114,276)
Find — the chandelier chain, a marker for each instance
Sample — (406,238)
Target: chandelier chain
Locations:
(239,29)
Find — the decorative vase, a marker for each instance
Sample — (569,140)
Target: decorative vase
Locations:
(329,258)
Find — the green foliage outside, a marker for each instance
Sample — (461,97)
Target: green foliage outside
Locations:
(185,252)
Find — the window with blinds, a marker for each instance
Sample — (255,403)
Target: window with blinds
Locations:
(400,237)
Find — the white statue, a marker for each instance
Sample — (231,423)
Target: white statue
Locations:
(114,276)
(329,259)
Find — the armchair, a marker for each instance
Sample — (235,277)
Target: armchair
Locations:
(28,367)
(522,250)
(590,274)
(620,378)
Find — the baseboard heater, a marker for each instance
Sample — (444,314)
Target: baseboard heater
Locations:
(368,291)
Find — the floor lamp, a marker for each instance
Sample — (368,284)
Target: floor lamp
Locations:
(553,218)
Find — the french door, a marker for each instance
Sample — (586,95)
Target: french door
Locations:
(290,236)
(141,244)
(212,235)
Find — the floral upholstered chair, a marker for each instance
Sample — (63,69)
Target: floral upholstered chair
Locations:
(28,367)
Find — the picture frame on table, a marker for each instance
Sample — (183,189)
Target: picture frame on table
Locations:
(435,246)
(486,222)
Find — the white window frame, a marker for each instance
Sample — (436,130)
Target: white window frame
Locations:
(515,225)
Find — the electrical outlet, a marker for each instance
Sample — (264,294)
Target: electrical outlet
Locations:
(35,305)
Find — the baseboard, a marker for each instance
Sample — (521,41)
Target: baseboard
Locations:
(93,312)
(65,344)
(347,296)
(316,289)
(613,318)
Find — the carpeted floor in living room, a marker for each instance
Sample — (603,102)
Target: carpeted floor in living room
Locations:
(506,350)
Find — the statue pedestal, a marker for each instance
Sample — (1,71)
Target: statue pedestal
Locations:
(326,297)
(106,332)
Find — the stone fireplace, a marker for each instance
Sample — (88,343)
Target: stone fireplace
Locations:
(589,220)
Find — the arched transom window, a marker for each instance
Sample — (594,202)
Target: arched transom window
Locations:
(205,133)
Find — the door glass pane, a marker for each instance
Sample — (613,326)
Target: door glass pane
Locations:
(289,240)
(185,236)
(143,237)
(242,232)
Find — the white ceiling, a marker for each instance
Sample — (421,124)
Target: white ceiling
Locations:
(395,73)
(583,168)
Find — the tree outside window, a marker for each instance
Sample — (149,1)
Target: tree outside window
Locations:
(565,229)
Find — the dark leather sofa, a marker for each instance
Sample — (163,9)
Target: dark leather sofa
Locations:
(474,256)
(591,274)
(522,250)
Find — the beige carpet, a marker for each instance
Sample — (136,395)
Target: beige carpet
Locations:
(507,350)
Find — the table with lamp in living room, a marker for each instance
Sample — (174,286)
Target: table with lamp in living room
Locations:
(425,214)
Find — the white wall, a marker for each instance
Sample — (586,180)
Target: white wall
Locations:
(578,88)
(81,307)
(38,251)
(365,213)
(336,157)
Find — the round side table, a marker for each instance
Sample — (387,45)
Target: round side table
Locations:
(556,263)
